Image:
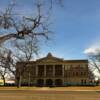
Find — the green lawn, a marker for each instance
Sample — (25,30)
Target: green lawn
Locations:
(72,88)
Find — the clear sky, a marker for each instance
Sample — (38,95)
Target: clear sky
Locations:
(76,27)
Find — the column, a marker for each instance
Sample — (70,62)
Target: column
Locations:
(63,70)
(44,70)
(53,70)
(36,70)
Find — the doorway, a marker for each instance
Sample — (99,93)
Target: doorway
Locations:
(49,82)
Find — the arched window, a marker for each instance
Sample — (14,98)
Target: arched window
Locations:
(58,82)
(40,82)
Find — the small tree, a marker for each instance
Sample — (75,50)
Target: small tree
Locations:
(27,49)
(94,61)
(4,63)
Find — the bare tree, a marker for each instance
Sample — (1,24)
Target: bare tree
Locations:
(94,62)
(28,29)
(4,63)
(22,26)
(27,48)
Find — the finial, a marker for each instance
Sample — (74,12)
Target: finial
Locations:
(49,55)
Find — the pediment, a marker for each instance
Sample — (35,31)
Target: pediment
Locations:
(50,58)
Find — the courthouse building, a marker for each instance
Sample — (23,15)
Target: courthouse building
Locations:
(53,71)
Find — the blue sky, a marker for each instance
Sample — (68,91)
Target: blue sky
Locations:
(76,27)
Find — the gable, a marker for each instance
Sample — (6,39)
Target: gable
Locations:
(50,58)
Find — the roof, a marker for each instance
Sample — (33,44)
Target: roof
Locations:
(50,56)
(25,62)
(73,61)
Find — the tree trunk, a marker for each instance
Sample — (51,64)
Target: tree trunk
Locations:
(29,80)
(19,79)
(4,81)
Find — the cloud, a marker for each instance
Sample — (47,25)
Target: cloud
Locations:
(93,49)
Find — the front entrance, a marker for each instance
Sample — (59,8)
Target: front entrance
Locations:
(49,82)
(58,82)
(40,82)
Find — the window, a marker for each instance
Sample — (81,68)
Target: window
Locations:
(49,70)
(81,73)
(58,70)
(84,73)
(73,73)
(76,73)
(40,70)
(84,81)
(81,81)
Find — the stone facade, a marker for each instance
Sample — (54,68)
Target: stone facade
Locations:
(53,71)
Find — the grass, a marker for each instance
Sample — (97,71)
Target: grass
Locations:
(70,88)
